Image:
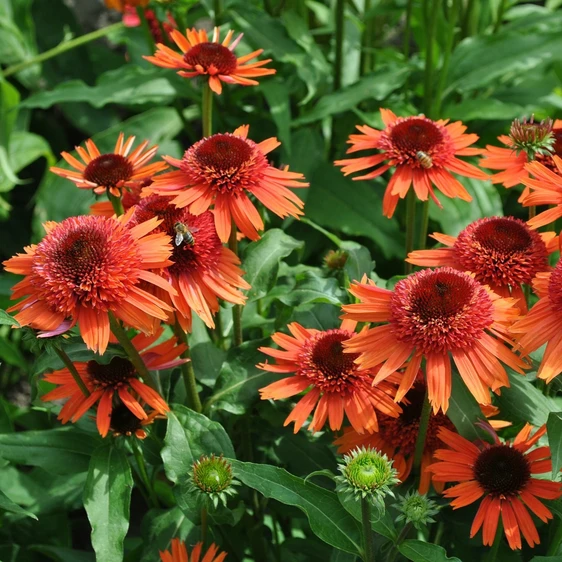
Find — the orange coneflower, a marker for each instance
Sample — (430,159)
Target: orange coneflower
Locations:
(203,270)
(502,473)
(199,56)
(502,252)
(86,267)
(397,437)
(223,170)
(338,385)
(112,171)
(124,423)
(117,377)
(424,153)
(436,315)
(179,553)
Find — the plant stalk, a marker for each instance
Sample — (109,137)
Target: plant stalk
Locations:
(207,110)
(237,308)
(422,434)
(217,11)
(407,29)
(410,226)
(403,534)
(369,550)
(204,525)
(499,18)
(187,372)
(116,203)
(428,72)
(338,58)
(492,555)
(72,369)
(367,40)
(151,44)
(137,452)
(424,225)
(554,544)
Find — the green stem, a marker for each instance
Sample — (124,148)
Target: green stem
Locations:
(338,58)
(131,351)
(428,73)
(367,40)
(207,110)
(410,226)
(72,369)
(499,19)
(151,44)
(369,551)
(237,308)
(137,452)
(116,203)
(407,29)
(188,374)
(394,550)
(62,48)
(492,555)
(468,24)
(422,241)
(554,544)
(204,525)
(217,11)
(422,434)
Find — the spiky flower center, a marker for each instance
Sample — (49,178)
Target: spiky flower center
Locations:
(212,474)
(88,260)
(326,365)
(555,288)
(211,58)
(501,250)
(368,470)
(123,421)
(109,170)
(502,471)
(115,373)
(440,310)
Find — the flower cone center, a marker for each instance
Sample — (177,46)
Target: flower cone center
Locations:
(118,371)
(123,421)
(555,288)
(417,134)
(108,170)
(213,58)
(222,153)
(503,235)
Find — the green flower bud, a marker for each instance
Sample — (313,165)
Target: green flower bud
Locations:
(416,509)
(532,138)
(212,477)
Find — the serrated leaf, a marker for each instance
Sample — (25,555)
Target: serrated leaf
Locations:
(419,551)
(554,432)
(8,505)
(107,500)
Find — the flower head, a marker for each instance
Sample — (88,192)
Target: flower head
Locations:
(436,315)
(199,56)
(416,509)
(424,153)
(502,252)
(203,270)
(532,138)
(179,553)
(336,259)
(224,170)
(87,267)
(112,171)
(124,422)
(316,359)
(111,383)
(501,474)
(212,477)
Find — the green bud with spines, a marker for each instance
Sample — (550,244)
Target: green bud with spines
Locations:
(533,138)
(416,509)
(212,478)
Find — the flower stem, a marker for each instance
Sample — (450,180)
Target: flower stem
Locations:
(554,544)
(492,555)
(204,525)
(217,11)
(61,48)
(188,374)
(139,457)
(207,110)
(116,203)
(423,225)
(403,534)
(367,40)
(338,58)
(428,72)
(410,226)
(499,18)
(422,434)
(407,29)
(146,30)
(369,551)
(131,351)
(237,308)
(72,369)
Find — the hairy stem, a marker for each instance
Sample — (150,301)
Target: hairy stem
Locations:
(139,457)
(369,551)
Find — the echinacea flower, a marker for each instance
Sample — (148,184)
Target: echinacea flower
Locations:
(179,553)
(124,423)
(502,252)
(112,382)
(203,270)
(339,386)
(501,474)
(396,437)
(423,153)
(112,171)
(199,56)
(435,315)
(224,169)
(87,267)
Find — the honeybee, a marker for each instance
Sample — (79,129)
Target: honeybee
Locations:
(424,159)
(184,234)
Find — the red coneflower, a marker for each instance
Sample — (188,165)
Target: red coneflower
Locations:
(436,315)
(338,385)
(106,382)
(179,553)
(424,153)
(199,56)
(203,270)
(86,267)
(502,473)
(223,170)
(502,252)
(396,437)
(112,171)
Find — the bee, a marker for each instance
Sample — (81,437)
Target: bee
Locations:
(184,234)
(424,159)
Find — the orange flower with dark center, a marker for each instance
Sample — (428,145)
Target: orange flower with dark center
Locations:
(179,553)
(397,437)
(199,56)
(436,315)
(501,473)
(203,270)
(424,153)
(124,422)
(338,386)
(121,5)
(112,382)
(502,252)
(113,171)
(129,197)
(223,170)
(86,267)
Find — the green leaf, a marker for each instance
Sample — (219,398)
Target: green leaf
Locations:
(328,520)
(11,354)
(107,499)
(303,456)
(463,410)
(261,261)
(310,288)
(61,554)
(419,551)
(359,261)
(59,451)
(8,505)
(319,316)
(7,320)
(190,435)
(483,108)
(277,95)
(554,432)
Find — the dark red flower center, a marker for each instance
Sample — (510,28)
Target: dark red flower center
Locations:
(213,58)
(440,310)
(222,153)
(555,287)
(109,170)
(502,471)
(123,421)
(416,134)
(115,373)
(557,142)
